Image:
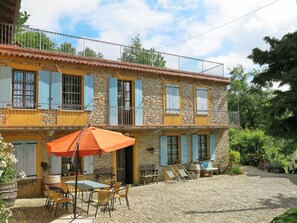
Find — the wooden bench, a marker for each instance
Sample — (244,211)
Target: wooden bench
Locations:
(104,173)
(207,169)
(149,172)
(209,172)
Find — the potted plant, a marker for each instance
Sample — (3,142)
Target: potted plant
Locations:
(8,182)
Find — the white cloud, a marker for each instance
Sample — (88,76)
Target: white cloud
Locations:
(232,59)
(178,5)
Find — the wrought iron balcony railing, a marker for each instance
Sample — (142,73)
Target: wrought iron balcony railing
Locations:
(125,117)
(67,44)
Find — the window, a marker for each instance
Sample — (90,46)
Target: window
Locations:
(23,89)
(202,145)
(71,92)
(172,99)
(202,101)
(124,102)
(172,149)
(64,166)
(69,168)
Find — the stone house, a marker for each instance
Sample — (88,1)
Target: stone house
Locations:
(176,114)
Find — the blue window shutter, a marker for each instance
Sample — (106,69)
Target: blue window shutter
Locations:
(168,98)
(202,101)
(175,97)
(5,86)
(89,92)
(55,164)
(44,89)
(163,151)
(56,90)
(30,154)
(172,99)
(195,149)
(113,101)
(212,147)
(183,149)
(138,102)
(88,165)
(25,152)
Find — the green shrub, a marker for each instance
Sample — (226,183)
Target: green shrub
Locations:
(235,170)
(5,214)
(276,165)
(234,157)
(290,216)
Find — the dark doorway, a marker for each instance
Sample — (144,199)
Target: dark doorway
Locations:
(125,165)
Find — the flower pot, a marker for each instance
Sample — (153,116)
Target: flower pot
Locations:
(8,193)
(195,168)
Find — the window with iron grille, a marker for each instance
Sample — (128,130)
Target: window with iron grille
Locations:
(23,89)
(172,149)
(71,92)
(202,147)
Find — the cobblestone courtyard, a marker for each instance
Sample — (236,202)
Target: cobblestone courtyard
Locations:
(256,196)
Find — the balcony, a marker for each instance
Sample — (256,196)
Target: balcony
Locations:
(72,45)
(15,118)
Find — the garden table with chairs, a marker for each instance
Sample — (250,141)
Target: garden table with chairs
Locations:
(101,194)
(87,185)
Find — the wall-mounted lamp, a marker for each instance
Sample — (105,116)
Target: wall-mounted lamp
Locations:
(44,166)
(150,149)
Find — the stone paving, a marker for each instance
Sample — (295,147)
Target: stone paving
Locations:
(256,196)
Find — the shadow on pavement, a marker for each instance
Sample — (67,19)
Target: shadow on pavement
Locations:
(35,214)
(277,202)
(252,171)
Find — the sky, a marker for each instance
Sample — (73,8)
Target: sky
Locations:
(223,31)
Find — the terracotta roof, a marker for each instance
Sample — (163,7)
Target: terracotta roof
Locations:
(16,51)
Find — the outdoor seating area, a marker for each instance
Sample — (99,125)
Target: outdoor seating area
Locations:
(149,204)
(98,195)
(182,172)
(178,172)
(171,174)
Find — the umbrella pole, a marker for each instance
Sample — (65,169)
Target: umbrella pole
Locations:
(76,179)
(76,171)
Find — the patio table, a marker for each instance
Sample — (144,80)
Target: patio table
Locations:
(87,185)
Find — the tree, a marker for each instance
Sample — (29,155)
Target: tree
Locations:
(88,52)
(22,19)
(135,53)
(31,39)
(250,144)
(248,98)
(280,66)
(35,40)
(67,48)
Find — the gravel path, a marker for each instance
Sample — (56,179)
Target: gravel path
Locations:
(255,196)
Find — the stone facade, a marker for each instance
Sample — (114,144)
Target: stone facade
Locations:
(148,135)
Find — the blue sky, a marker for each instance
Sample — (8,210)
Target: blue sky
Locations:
(173,26)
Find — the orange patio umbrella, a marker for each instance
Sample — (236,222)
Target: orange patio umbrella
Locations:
(87,142)
(92,142)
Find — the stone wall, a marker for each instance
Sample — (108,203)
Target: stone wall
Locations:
(153,113)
